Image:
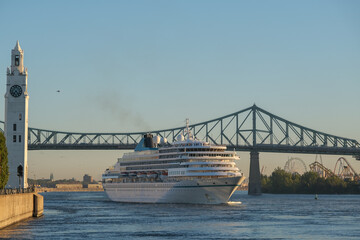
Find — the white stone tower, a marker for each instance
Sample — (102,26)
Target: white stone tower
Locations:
(16,117)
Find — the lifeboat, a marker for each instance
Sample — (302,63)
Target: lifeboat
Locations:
(124,174)
(163,175)
(141,175)
(151,174)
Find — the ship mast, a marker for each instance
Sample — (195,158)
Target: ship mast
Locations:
(188,129)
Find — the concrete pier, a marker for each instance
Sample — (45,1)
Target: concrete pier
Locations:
(17,207)
(254,178)
(38,205)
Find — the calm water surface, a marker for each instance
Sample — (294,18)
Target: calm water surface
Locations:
(90,215)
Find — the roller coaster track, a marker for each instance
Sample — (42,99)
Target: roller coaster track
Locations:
(318,167)
(344,169)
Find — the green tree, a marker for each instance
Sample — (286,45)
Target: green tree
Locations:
(336,184)
(265,184)
(296,182)
(4,169)
(281,181)
(309,182)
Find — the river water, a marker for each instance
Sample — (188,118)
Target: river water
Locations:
(90,215)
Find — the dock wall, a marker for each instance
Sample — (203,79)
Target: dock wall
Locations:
(17,207)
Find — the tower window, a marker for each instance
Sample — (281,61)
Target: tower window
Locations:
(20,116)
(14,127)
(17,60)
(19,138)
(14,138)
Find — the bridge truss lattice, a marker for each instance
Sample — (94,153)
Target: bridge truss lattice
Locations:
(250,129)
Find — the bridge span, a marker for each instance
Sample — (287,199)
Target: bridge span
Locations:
(252,129)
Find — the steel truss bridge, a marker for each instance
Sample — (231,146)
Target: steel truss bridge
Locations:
(251,129)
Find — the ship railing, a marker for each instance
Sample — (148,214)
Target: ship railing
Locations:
(8,191)
(145,152)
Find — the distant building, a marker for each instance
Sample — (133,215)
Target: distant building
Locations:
(88,179)
(51,177)
(94,186)
(68,186)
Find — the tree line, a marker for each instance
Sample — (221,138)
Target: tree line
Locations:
(281,181)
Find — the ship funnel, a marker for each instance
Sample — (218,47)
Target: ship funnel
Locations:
(148,140)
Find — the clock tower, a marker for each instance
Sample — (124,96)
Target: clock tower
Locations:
(16,119)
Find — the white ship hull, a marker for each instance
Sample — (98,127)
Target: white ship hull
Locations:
(199,191)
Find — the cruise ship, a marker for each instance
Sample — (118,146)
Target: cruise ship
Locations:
(185,171)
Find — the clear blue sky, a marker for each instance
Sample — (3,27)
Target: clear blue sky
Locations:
(147,65)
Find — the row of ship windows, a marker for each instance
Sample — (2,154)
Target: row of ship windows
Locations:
(176,166)
(212,165)
(198,155)
(210,155)
(203,150)
(169,151)
(149,163)
(166,162)
(210,160)
(169,179)
(144,157)
(127,180)
(169,156)
(191,150)
(153,167)
(176,155)
(178,173)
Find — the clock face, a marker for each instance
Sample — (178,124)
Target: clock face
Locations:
(15,91)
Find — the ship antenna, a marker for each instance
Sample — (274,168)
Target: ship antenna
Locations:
(187,128)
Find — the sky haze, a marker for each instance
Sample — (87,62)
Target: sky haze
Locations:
(125,66)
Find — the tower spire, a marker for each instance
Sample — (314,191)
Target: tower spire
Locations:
(17,59)
(17,46)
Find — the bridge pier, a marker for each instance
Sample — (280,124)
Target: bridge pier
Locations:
(254,187)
